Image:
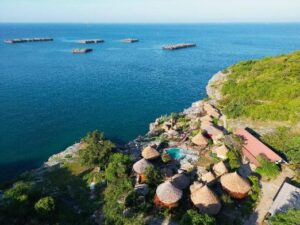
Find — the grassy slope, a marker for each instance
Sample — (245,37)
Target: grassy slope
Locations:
(266,90)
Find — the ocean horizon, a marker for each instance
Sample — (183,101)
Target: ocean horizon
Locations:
(51,98)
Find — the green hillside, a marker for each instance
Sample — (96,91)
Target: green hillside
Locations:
(266,90)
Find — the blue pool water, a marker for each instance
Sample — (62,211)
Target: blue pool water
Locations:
(175,153)
(49,98)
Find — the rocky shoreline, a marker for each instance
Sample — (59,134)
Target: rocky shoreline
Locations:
(135,146)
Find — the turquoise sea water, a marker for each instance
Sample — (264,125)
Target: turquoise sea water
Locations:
(175,153)
(50,98)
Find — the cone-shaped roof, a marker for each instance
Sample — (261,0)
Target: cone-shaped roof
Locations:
(234,183)
(206,200)
(150,153)
(200,140)
(180,181)
(141,165)
(168,193)
(208,177)
(220,169)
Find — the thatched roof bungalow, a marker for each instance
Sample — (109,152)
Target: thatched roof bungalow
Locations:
(167,195)
(208,177)
(214,133)
(180,181)
(236,186)
(211,110)
(150,153)
(200,140)
(195,186)
(206,200)
(221,151)
(140,167)
(220,169)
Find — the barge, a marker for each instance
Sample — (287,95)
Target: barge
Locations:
(91,41)
(178,46)
(81,50)
(130,40)
(24,40)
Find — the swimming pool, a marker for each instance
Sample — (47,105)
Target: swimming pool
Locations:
(175,153)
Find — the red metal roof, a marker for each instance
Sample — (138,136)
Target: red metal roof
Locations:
(253,147)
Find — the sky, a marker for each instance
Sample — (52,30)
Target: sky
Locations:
(149,11)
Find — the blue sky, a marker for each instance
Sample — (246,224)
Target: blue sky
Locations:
(149,11)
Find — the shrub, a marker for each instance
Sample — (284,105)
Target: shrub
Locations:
(267,169)
(192,217)
(233,159)
(290,217)
(153,175)
(97,151)
(45,206)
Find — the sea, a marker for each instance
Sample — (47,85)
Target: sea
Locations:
(50,98)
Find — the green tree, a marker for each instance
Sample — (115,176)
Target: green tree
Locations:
(290,217)
(118,167)
(97,151)
(233,159)
(153,175)
(267,169)
(45,206)
(192,217)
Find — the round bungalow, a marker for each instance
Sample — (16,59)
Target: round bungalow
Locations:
(220,169)
(206,200)
(180,181)
(140,167)
(200,140)
(167,195)
(236,186)
(150,153)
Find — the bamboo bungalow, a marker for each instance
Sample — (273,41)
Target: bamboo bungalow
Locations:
(236,186)
(253,148)
(206,201)
(200,140)
(220,169)
(150,153)
(208,178)
(221,151)
(167,195)
(180,181)
(140,167)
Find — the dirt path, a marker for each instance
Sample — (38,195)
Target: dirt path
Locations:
(269,190)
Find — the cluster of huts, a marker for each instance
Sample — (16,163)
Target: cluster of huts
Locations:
(169,193)
(201,188)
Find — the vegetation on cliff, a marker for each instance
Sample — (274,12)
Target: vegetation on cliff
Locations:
(266,89)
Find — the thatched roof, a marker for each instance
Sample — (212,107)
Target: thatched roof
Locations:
(206,200)
(205,124)
(208,177)
(221,151)
(141,165)
(150,153)
(206,118)
(195,186)
(168,193)
(214,132)
(200,140)
(180,181)
(234,183)
(211,110)
(220,169)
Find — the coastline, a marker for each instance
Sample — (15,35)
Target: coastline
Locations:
(134,147)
